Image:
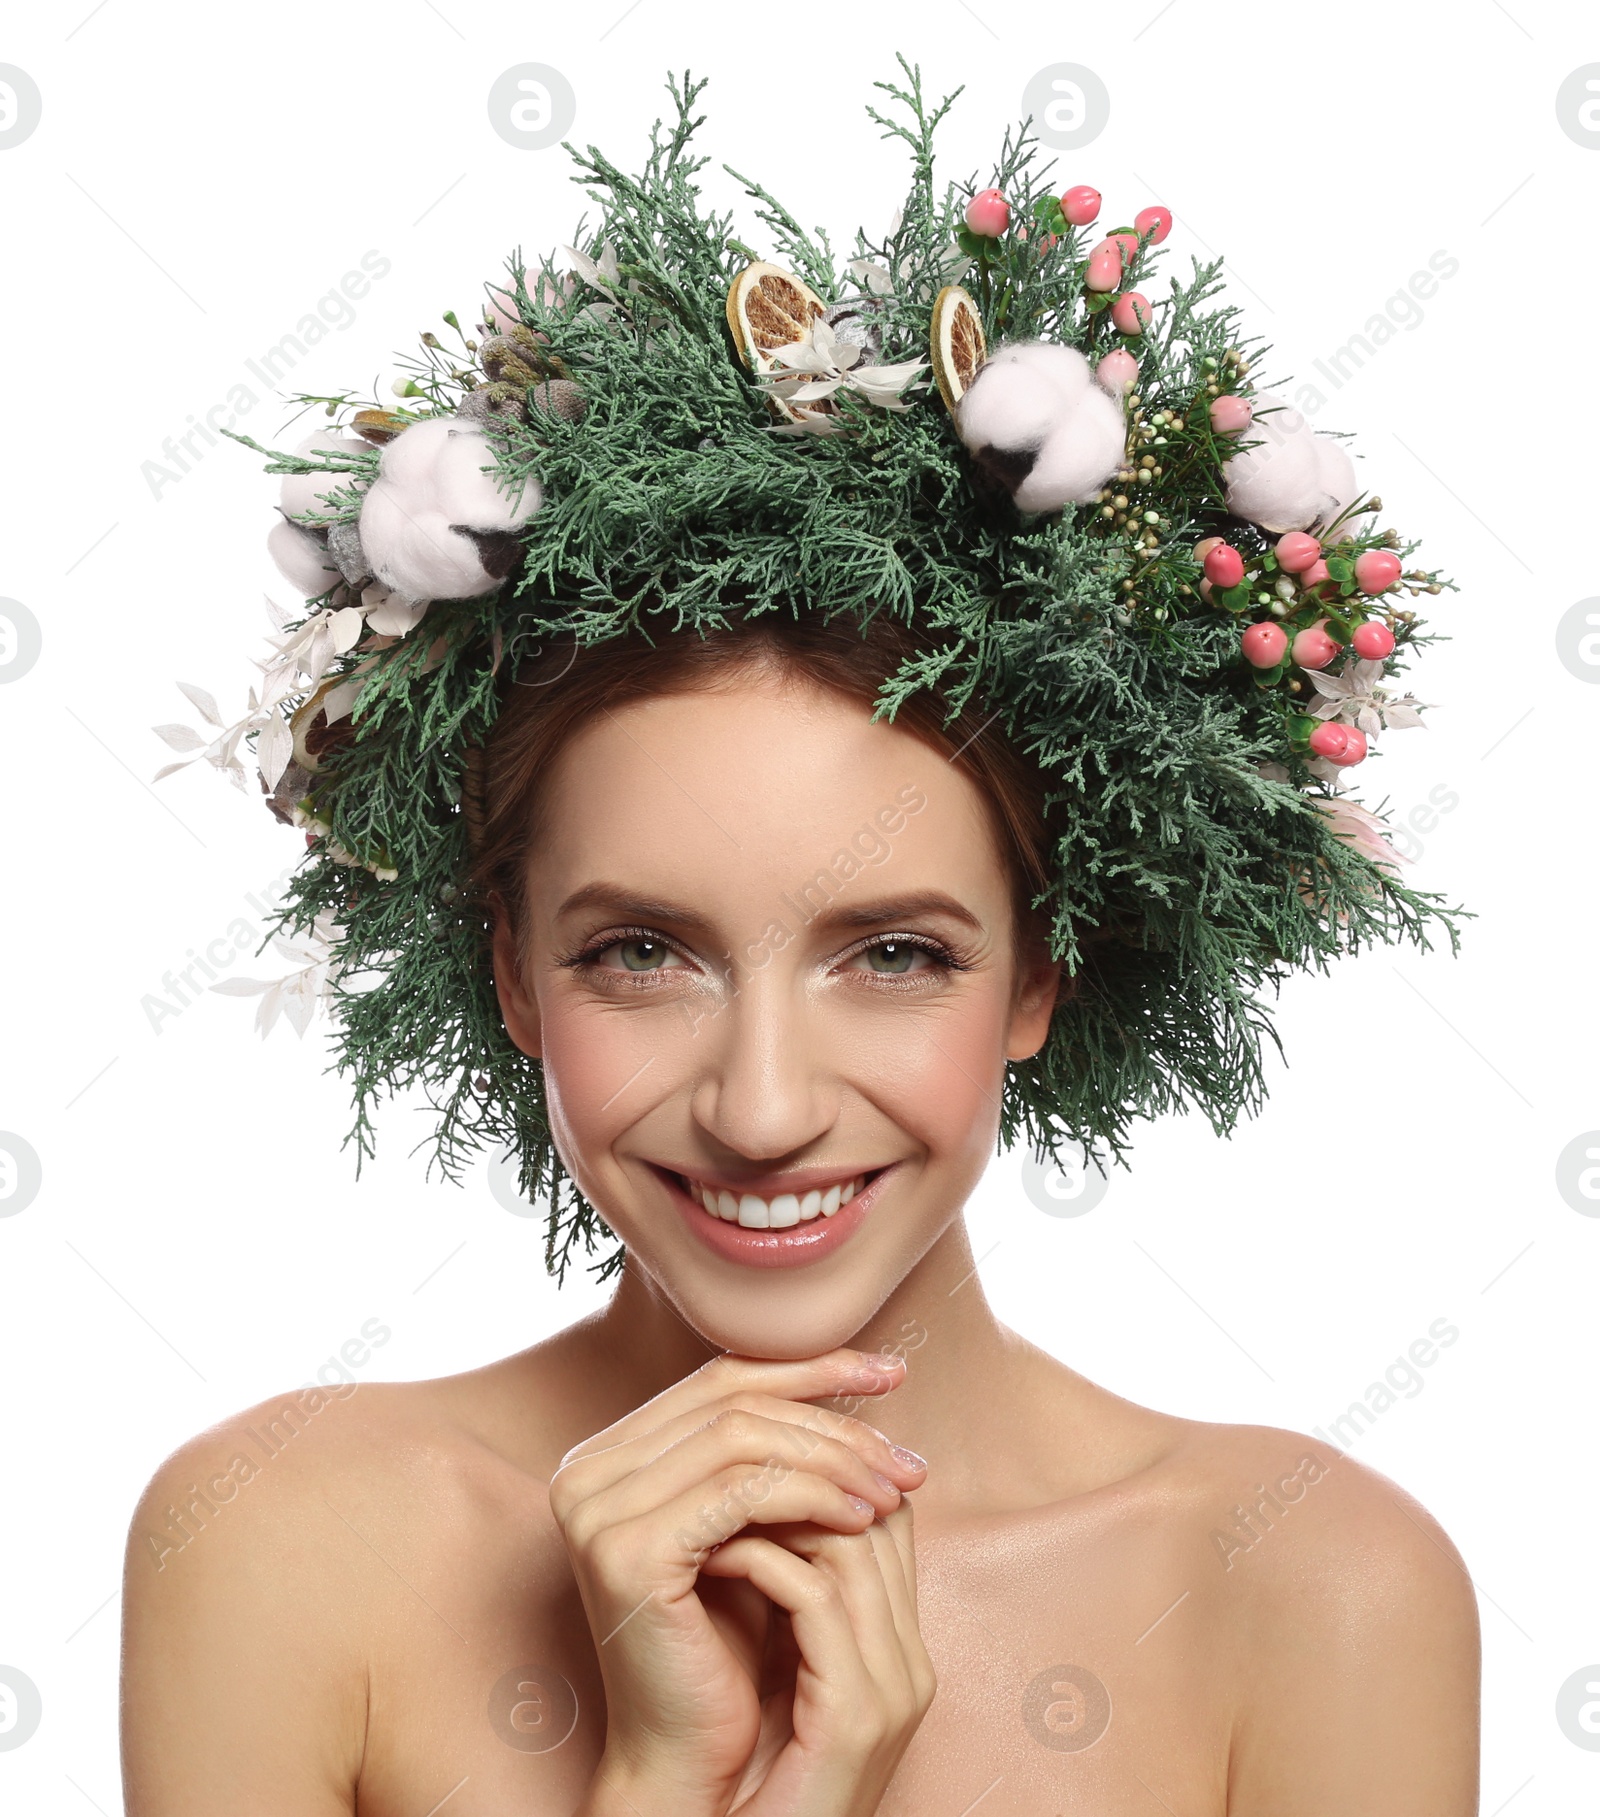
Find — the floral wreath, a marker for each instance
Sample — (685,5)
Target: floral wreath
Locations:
(1171,592)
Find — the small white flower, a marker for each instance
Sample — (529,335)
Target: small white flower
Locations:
(297,994)
(873,276)
(604,274)
(1360,829)
(1352,695)
(820,364)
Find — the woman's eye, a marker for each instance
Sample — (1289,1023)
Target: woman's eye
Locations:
(894,958)
(636,955)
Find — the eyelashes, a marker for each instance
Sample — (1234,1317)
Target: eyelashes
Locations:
(942,955)
(585,958)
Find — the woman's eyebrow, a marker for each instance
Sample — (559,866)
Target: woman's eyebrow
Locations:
(897,908)
(629,905)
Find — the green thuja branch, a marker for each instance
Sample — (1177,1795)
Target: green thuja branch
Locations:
(1186,883)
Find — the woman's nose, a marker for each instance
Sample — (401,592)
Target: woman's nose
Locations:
(761,1089)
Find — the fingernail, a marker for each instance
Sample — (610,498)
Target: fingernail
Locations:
(862,1506)
(909,1458)
(886,1482)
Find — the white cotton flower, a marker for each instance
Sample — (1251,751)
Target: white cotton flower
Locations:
(299,493)
(301,559)
(436,487)
(1035,417)
(1292,478)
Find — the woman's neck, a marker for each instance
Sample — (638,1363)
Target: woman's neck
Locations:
(971,1400)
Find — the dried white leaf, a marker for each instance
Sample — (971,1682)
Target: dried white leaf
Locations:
(181,738)
(315,661)
(271,1005)
(395,615)
(203,701)
(818,388)
(587,269)
(274,748)
(873,277)
(337,702)
(242,987)
(345,628)
(299,1008)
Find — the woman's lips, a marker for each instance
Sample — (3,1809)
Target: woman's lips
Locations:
(789,1246)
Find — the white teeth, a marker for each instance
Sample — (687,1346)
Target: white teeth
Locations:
(756,1213)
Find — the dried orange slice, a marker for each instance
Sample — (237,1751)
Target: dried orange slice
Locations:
(313,737)
(379,426)
(769,307)
(956,345)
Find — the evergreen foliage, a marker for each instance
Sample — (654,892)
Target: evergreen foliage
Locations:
(1181,895)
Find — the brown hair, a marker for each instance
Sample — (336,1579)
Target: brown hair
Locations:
(556,693)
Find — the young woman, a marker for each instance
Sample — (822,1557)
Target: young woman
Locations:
(748,781)
(795,1525)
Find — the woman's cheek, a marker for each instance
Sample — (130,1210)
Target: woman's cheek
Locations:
(606,1066)
(937,1072)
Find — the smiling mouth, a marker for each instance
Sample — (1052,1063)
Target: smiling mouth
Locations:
(779,1212)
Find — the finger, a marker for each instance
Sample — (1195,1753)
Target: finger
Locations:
(892,1644)
(803,1427)
(856,1562)
(892,1539)
(898,1531)
(681,1532)
(814,1601)
(835,1373)
(734,1439)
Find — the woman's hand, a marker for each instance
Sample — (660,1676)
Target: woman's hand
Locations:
(859,1680)
(651,1502)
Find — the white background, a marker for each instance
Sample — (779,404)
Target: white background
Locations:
(202,175)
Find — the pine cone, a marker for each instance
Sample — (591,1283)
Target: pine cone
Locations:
(502,399)
(515,356)
(560,397)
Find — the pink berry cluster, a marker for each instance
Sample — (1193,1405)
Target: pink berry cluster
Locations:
(1271,649)
(1109,263)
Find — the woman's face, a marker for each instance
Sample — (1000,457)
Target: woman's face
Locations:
(769,960)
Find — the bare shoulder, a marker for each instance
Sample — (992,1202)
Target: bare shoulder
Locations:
(1349,1622)
(260,1567)
(1298,1531)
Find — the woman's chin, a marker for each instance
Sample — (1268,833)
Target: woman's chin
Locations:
(773,1332)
